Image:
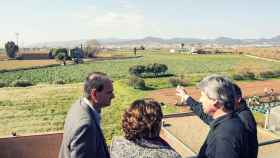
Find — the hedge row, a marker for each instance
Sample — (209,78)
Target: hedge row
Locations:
(24,83)
(154,69)
(248,75)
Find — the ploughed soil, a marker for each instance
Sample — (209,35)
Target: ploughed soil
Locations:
(168,96)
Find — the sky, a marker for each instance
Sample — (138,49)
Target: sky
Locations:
(62,20)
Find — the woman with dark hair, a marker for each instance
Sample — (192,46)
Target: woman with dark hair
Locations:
(141,124)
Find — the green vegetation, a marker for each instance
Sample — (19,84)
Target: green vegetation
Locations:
(136,82)
(194,66)
(42,108)
(151,70)
(11,49)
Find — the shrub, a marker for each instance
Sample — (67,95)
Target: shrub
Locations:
(248,75)
(59,82)
(60,50)
(237,77)
(175,81)
(137,82)
(11,49)
(61,57)
(3,84)
(266,74)
(156,69)
(137,70)
(276,73)
(22,83)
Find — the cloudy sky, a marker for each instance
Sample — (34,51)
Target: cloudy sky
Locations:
(61,20)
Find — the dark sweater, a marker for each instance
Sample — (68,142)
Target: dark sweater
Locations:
(245,116)
(227,138)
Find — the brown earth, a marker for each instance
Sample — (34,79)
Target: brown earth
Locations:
(168,96)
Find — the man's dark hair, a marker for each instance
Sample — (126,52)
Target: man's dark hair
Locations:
(94,80)
(238,91)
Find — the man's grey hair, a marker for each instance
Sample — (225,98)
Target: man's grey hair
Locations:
(219,88)
(94,80)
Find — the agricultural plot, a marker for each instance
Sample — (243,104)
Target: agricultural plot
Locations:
(43,108)
(2,56)
(21,64)
(193,66)
(271,53)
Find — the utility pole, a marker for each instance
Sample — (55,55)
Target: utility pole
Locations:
(17,37)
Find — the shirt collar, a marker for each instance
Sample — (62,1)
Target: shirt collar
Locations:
(221,119)
(243,106)
(97,115)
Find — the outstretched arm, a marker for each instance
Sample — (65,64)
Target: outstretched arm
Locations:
(195,106)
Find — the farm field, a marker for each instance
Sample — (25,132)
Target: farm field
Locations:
(2,55)
(254,88)
(42,108)
(269,52)
(192,66)
(33,60)
(21,64)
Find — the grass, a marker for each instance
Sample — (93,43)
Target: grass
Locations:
(42,108)
(24,112)
(194,66)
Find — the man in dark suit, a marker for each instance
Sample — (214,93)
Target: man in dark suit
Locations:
(83,137)
(241,109)
(228,136)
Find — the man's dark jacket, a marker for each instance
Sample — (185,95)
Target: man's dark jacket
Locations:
(245,116)
(82,136)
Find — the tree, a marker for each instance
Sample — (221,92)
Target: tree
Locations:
(182,45)
(61,54)
(137,70)
(156,69)
(61,57)
(142,47)
(11,49)
(92,47)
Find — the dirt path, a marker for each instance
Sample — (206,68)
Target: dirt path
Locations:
(168,96)
(262,58)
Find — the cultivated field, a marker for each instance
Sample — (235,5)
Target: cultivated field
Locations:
(42,108)
(21,64)
(2,56)
(272,53)
(192,66)
(269,52)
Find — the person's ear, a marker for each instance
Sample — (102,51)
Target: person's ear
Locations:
(93,95)
(216,104)
(239,99)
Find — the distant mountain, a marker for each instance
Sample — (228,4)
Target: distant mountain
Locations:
(227,41)
(219,40)
(156,41)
